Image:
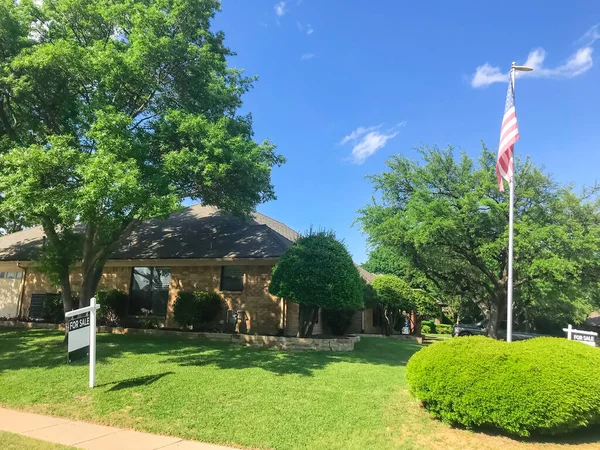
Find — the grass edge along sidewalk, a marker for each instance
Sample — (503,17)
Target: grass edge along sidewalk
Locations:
(60,432)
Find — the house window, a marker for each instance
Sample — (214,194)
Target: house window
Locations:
(232,278)
(10,275)
(19,275)
(2,274)
(149,290)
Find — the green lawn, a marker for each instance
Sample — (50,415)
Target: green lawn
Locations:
(12,441)
(235,395)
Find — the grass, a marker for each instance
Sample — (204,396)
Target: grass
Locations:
(246,397)
(12,441)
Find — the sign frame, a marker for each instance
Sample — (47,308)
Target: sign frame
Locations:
(585,337)
(87,312)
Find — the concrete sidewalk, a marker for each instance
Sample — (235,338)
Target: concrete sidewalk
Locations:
(90,436)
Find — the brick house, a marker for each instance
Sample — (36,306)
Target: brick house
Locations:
(198,248)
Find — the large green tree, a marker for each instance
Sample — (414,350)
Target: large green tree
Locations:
(317,272)
(447,219)
(112,112)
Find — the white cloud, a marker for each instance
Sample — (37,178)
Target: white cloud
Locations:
(305,28)
(307,56)
(577,64)
(368,140)
(358,132)
(280,8)
(486,75)
(591,35)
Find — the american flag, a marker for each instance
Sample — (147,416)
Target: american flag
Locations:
(508,136)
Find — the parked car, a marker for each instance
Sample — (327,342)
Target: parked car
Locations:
(481,328)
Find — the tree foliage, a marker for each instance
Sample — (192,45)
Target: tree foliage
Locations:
(317,272)
(112,112)
(397,298)
(446,219)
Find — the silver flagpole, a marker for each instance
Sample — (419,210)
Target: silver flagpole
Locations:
(511,218)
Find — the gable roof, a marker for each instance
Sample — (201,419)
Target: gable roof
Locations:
(197,232)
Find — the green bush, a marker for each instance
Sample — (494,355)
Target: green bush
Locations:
(185,309)
(539,386)
(53,310)
(194,308)
(317,272)
(442,328)
(210,306)
(426,329)
(430,324)
(338,321)
(113,301)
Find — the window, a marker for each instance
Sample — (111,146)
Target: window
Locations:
(10,275)
(149,290)
(232,278)
(2,274)
(19,275)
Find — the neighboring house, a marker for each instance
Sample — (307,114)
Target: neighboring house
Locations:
(593,321)
(199,248)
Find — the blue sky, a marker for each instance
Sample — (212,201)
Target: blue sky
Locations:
(345,84)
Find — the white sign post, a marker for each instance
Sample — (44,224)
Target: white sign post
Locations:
(585,337)
(81,337)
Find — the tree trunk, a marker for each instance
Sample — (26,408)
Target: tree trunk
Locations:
(418,326)
(494,316)
(307,317)
(89,284)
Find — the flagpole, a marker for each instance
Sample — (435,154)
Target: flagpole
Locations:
(511,219)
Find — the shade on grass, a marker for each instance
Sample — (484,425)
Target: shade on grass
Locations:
(213,392)
(241,396)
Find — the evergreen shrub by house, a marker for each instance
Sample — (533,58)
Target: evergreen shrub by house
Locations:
(112,301)
(193,308)
(542,386)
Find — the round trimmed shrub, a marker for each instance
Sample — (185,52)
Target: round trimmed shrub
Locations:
(185,309)
(193,308)
(210,305)
(426,328)
(539,386)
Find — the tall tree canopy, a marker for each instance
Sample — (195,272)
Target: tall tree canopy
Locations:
(112,112)
(447,220)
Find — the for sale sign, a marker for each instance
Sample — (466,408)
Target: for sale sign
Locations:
(78,328)
(585,338)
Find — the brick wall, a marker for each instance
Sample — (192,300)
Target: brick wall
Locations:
(263,310)
(38,283)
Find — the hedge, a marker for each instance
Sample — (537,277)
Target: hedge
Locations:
(195,308)
(539,386)
(429,326)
